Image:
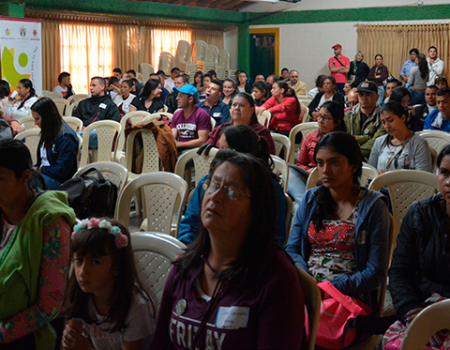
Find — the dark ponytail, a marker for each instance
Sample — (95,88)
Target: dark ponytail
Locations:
(289,92)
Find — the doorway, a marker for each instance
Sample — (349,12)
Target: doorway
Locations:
(264,51)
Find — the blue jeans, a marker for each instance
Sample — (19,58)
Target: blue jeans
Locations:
(52,184)
(296,185)
(93,140)
(417,97)
(381,93)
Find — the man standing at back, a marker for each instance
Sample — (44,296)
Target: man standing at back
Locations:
(191,125)
(296,84)
(435,64)
(339,67)
(363,121)
(404,73)
(219,111)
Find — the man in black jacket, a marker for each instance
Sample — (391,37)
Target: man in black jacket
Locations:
(96,108)
(430,98)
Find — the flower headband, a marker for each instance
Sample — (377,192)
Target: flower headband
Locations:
(121,240)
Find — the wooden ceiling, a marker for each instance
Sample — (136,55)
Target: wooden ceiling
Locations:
(229,5)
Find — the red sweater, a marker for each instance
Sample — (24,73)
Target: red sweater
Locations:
(284,114)
(305,158)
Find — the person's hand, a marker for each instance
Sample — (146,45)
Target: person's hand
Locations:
(314,116)
(16,128)
(309,171)
(74,340)
(377,76)
(411,111)
(83,128)
(259,110)
(382,171)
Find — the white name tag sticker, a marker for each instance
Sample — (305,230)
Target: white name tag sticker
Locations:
(233,317)
(216,114)
(102,105)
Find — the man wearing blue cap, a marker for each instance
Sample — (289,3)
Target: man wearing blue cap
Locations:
(191,125)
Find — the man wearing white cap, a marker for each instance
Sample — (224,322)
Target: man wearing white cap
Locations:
(339,67)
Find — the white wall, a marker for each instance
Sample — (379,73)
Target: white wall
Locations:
(333,4)
(307,47)
(231,44)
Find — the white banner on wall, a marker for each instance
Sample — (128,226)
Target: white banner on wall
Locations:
(21,51)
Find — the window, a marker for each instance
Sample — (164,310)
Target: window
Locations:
(165,40)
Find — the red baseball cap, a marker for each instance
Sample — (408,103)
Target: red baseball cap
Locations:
(337,46)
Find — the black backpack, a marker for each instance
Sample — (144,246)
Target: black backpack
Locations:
(91,196)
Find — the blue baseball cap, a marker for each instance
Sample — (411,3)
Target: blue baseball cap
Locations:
(188,89)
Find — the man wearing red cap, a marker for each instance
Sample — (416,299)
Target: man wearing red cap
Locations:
(339,67)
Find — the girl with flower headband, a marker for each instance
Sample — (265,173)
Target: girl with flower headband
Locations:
(106,304)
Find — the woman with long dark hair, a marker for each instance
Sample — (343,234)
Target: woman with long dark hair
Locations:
(58,146)
(243,112)
(378,74)
(341,230)
(4,94)
(35,228)
(229,91)
(243,85)
(20,106)
(198,81)
(418,78)
(358,69)
(284,107)
(403,96)
(235,265)
(400,148)
(149,100)
(123,100)
(261,92)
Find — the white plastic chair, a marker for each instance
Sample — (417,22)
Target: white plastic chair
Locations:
(430,320)
(405,187)
(160,191)
(153,256)
(27,123)
(282,170)
(289,217)
(75,123)
(111,171)
(132,118)
(213,123)
(312,295)
(202,164)
(77,97)
(436,139)
(52,94)
(107,133)
(151,160)
(183,55)
(156,116)
(32,137)
(264,118)
(165,61)
(71,106)
(146,69)
(61,104)
(282,142)
(305,129)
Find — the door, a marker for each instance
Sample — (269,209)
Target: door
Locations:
(264,51)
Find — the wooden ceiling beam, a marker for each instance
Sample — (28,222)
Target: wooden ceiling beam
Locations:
(242,5)
(184,2)
(230,4)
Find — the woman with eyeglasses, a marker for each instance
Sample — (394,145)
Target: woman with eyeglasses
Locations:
(330,118)
(242,113)
(329,93)
(234,287)
(420,270)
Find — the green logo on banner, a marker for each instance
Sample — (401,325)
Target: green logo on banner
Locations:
(9,70)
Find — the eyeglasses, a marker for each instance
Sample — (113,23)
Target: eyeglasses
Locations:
(230,192)
(240,105)
(325,119)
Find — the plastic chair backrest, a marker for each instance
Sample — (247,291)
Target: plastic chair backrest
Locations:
(77,97)
(429,321)
(433,158)
(282,142)
(107,134)
(52,94)
(61,104)
(212,53)
(311,293)
(405,187)
(213,123)
(27,123)
(71,106)
(151,160)
(75,123)
(264,118)
(200,49)
(146,69)
(305,129)
(156,116)
(282,170)
(153,256)
(133,118)
(289,211)
(165,61)
(224,58)
(368,171)
(202,163)
(112,171)
(32,137)
(183,53)
(436,139)
(160,190)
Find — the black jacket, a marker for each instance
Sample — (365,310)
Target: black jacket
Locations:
(338,97)
(422,112)
(171,102)
(97,108)
(421,262)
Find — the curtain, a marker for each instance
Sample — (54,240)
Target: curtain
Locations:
(211,37)
(51,59)
(125,47)
(86,51)
(395,41)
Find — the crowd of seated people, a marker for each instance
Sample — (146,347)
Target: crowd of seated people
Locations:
(235,224)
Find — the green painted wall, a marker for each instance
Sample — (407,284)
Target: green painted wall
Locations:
(244,47)
(12,10)
(399,13)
